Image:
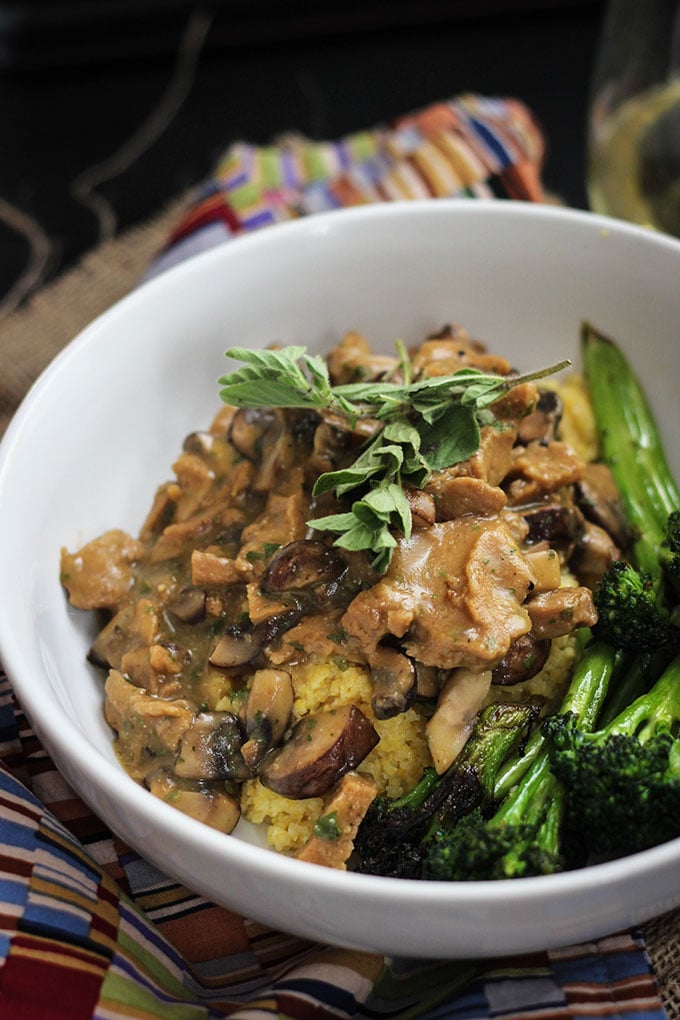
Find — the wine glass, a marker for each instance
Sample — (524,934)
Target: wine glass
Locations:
(634,124)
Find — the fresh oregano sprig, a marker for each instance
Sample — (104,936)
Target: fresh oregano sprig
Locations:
(428,425)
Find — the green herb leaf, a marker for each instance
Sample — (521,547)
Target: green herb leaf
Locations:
(327,826)
(425,425)
(275,379)
(451,438)
(370,523)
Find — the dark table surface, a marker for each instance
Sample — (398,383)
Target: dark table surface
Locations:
(109,113)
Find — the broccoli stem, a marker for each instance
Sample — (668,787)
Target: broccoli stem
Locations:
(418,794)
(523,837)
(584,697)
(537,798)
(499,729)
(637,679)
(525,804)
(654,712)
(631,445)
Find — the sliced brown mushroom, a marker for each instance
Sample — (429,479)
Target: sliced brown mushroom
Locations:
(593,554)
(188,605)
(215,808)
(427,681)
(199,443)
(248,429)
(460,700)
(302,564)
(330,448)
(235,647)
(267,712)
(320,750)
(112,641)
(545,565)
(598,496)
(557,523)
(525,658)
(259,434)
(393,675)
(272,627)
(211,748)
(542,422)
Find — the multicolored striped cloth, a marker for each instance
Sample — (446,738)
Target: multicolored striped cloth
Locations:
(88,929)
(473,146)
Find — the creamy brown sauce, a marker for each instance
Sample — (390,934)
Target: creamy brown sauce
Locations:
(226,588)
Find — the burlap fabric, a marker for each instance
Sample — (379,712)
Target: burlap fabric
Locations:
(31,336)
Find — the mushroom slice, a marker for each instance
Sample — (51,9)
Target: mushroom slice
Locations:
(267,712)
(553,522)
(320,750)
(525,658)
(113,640)
(212,807)
(393,674)
(199,443)
(236,647)
(593,555)
(330,446)
(188,605)
(211,748)
(598,496)
(271,628)
(461,698)
(427,681)
(543,421)
(546,567)
(302,564)
(248,429)
(332,840)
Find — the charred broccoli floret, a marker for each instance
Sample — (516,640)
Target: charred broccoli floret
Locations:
(631,615)
(393,837)
(622,782)
(522,838)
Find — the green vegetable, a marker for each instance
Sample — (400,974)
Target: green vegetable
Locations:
(394,837)
(525,834)
(631,445)
(623,781)
(425,425)
(631,615)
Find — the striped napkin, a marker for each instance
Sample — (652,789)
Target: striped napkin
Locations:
(88,929)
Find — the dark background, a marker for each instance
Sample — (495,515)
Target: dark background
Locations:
(108,109)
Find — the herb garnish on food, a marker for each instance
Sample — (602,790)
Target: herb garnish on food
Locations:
(427,425)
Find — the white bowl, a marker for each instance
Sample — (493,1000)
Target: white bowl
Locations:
(101,427)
